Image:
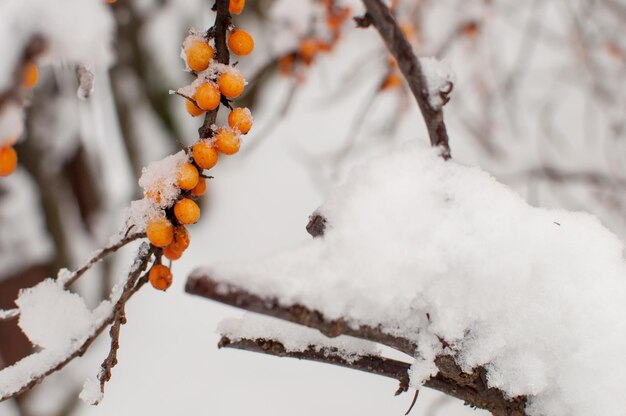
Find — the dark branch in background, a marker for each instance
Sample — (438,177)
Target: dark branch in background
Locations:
(217,32)
(379,15)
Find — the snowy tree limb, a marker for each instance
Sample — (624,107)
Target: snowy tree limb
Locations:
(471,387)
(131,287)
(379,15)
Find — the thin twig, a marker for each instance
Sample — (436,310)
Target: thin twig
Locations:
(378,14)
(372,364)
(218,31)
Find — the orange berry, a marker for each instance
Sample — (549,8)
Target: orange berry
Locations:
(181,238)
(187,211)
(226,141)
(111,1)
(240,42)
(30,75)
(231,84)
(160,232)
(160,277)
(240,119)
(199,55)
(236,6)
(8,160)
(393,80)
(204,154)
(172,252)
(308,49)
(207,96)
(187,176)
(193,109)
(200,188)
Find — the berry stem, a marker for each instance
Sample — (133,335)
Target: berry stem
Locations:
(219,31)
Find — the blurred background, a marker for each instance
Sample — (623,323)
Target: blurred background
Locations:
(539,101)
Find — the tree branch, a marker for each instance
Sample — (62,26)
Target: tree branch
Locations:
(379,15)
(235,296)
(372,364)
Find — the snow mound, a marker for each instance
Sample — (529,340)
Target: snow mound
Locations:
(51,317)
(435,250)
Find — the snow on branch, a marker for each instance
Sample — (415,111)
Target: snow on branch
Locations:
(509,307)
(59,322)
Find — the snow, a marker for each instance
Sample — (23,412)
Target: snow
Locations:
(534,295)
(78,31)
(439,78)
(11,124)
(294,337)
(158,180)
(51,316)
(91,393)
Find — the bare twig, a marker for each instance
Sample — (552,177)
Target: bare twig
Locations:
(380,17)
(372,364)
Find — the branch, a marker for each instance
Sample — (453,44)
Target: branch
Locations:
(11,314)
(379,15)
(36,376)
(235,296)
(218,32)
(372,364)
(451,380)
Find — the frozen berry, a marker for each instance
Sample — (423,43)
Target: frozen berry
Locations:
(160,232)
(187,176)
(160,277)
(236,6)
(199,55)
(226,141)
(207,96)
(240,119)
(193,109)
(30,75)
(204,154)
(240,42)
(231,84)
(200,188)
(187,211)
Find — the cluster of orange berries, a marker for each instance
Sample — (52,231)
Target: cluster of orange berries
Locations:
(310,47)
(8,155)
(215,83)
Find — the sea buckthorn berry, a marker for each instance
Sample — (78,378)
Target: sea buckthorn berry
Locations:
(160,277)
(181,238)
(30,75)
(200,188)
(172,252)
(204,154)
(240,119)
(236,6)
(308,48)
(231,84)
(8,160)
(226,141)
(240,42)
(393,80)
(160,232)
(199,55)
(187,211)
(207,96)
(187,176)
(193,109)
